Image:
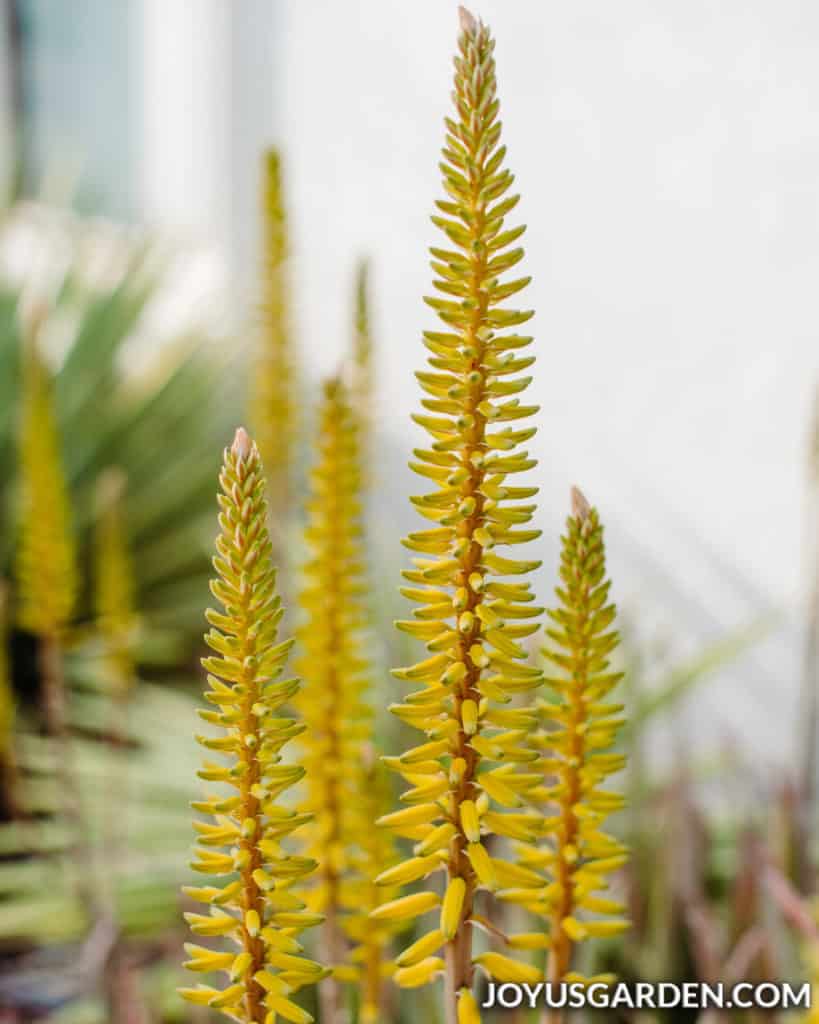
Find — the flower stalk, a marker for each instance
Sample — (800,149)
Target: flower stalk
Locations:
(470,619)
(361,390)
(336,674)
(582,727)
(273,402)
(255,908)
(47,583)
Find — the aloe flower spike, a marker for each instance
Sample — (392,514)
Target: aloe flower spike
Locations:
(250,898)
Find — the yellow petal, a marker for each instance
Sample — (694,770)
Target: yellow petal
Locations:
(467,1008)
(453,906)
(469,717)
(406,907)
(409,871)
(502,968)
(419,974)
(482,863)
(289,1010)
(417,815)
(469,821)
(424,947)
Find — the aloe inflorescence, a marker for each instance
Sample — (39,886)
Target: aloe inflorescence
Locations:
(252,903)
(471,620)
(47,584)
(274,404)
(46,554)
(361,391)
(336,672)
(582,727)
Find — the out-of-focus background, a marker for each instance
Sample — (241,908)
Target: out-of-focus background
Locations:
(668,160)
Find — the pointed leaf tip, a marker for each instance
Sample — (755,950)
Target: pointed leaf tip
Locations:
(241,443)
(468,22)
(580,506)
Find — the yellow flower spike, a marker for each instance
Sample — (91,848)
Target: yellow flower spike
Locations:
(114,591)
(245,685)
(47,583)
(274,382)
(46,553)
(341,793)
(580,724)
(361,389)
(471,628)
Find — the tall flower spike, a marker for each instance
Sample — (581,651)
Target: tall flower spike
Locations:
(582,729)
(47,585)
(273,403)
(470,620)
(46,557)
(335,672)
(254,908)
(362,376)
(114,592)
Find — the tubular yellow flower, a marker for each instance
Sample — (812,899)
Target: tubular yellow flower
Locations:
(470,620)
(254,907)
(46,557)
(333,705)
(583,725)
(273,397)
(467,1008)
(114,592)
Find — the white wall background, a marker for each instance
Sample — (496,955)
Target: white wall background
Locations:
(668,158)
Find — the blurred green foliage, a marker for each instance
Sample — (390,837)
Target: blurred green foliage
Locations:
(160,413)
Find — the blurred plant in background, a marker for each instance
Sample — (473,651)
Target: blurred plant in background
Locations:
(100,394)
